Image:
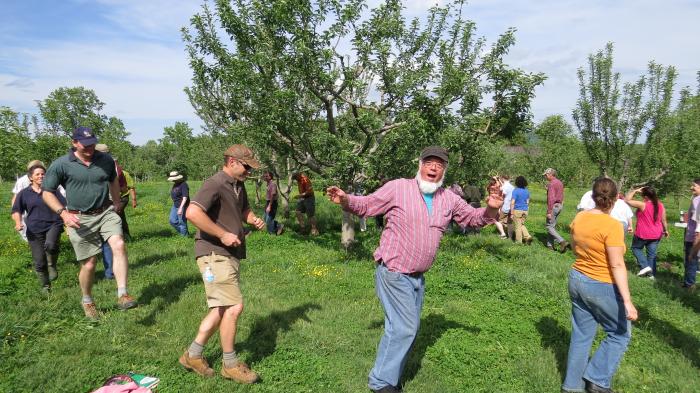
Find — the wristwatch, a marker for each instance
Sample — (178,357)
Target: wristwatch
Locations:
(61,210)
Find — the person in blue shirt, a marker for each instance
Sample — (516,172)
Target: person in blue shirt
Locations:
(518,208)
(43,226)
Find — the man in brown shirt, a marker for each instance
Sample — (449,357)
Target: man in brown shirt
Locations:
(218,211)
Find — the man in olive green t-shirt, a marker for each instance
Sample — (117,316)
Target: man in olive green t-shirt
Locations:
(89,178)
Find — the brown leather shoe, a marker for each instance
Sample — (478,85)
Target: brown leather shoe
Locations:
(126,302)
(240,373)
(91,311)
(198,365)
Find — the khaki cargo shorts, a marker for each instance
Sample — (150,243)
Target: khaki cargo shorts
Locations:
(224,289)
(94,229)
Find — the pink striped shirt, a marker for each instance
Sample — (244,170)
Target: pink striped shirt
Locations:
(411,236)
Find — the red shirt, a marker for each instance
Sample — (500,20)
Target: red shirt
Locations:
(555,193)
(305,186)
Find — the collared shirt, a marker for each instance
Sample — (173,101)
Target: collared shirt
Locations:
(87,186)
(224,200)
(271,194)
(555,193)
(693,219)
(40,218)
(129,184)
(507,189)
(305,187)
(411,236)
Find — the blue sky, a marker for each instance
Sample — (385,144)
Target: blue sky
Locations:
(130,52)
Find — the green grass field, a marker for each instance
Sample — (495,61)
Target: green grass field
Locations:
(496,316)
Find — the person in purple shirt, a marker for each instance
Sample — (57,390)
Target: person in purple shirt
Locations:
(555,204)
(418,211)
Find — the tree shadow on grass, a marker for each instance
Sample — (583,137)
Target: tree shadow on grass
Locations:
(153,258)
(555,337)
(262,339)
(685,343)
(432,327)
(160,233)
(169,292)
(669,284)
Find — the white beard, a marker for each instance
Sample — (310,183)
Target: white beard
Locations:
(427,187)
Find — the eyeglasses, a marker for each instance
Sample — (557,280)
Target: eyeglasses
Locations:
(436,164)
(247,167)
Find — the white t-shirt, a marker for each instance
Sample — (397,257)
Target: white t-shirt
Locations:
(586,202)
(621,212)
(507,189)
(21,183)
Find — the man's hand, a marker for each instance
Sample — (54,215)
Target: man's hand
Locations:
(19,227)
(268,209)
(179,211)
(631,311)
(133,203)
(70,219)
(549,216)
(228,239)
(257,222)
(629,229)
(337,196)
(118,207)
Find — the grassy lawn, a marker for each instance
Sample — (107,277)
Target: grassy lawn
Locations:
(496,316)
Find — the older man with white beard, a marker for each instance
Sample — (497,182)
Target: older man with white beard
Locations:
(418,211)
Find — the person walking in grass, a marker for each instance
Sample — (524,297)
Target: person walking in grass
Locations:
(506,217)
(599,295)
(417,211)
(180,194)
(43,226)
(495,184)
(271,196)
(692,238)
(555,204)
(218,210)
(520,202)
(306,204)
(90,178)
(651,227)
(126,189)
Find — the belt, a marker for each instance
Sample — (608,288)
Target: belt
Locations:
(94,211)
(414,274)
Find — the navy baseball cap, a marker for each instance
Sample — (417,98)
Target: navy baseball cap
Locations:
(85,136)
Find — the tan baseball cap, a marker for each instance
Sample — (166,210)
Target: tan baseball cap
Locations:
(243,153)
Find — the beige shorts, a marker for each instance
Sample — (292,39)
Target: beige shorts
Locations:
(94,229)
(224,290)
(504,218)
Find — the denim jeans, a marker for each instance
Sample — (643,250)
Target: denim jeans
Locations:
(691,265)
(649,259)
(177,221)
(401,296)
(595,303)
(107,260)
(272,225)
(551,225)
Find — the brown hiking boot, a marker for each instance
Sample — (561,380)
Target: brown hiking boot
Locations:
(126,302)
(91,311)
(198,365)
(240,373)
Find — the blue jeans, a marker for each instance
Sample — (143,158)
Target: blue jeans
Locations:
(691,266)
(595,303)
(179,222)
(107,260)
(401,296)
(551,224)
(272,225)
(649,259)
